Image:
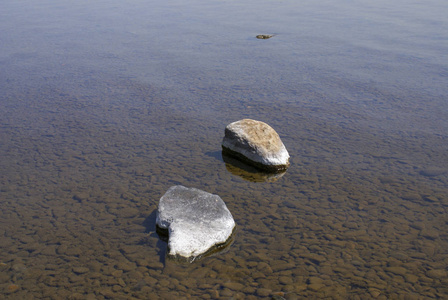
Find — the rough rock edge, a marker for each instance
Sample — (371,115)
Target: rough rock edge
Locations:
(163,229)
(249,172)
(258,165)
(216,248)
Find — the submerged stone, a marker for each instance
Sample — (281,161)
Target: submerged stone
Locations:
(433,172)
(197,222)
(248,172)
(256,143)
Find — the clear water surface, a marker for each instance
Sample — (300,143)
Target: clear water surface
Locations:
(106,104)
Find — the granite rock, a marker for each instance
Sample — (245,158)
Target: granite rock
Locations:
(197,222)
(255,143)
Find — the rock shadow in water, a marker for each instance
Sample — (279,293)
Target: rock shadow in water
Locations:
(248,172)
(152,229)
(215,250)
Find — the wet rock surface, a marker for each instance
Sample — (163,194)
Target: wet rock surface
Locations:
(196,221)
(255,143)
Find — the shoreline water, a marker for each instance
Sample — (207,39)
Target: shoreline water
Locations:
(97,124)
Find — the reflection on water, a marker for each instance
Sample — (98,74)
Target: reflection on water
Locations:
(247,172)
(105,106)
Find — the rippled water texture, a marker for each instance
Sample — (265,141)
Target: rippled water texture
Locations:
(106,104)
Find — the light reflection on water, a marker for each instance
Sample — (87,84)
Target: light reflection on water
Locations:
(106,105)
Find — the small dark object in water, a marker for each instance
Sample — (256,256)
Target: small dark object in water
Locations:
(264,36)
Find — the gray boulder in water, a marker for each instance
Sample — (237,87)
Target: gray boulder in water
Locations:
(197,222)
(256,143)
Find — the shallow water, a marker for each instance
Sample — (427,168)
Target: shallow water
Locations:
(104,106)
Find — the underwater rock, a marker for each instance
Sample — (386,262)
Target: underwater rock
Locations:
(196,222)
(248,172)
(433,171)
(255,143)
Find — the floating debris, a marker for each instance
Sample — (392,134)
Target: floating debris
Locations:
(264,36)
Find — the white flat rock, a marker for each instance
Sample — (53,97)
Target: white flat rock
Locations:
(196,221)
(256,143)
